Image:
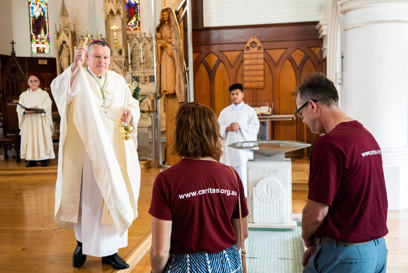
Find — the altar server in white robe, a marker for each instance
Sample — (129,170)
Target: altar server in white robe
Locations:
(238,122)
(36,129)
(98,179)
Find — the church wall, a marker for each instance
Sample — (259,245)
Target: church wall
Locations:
(21,28)
(291,52)
(87,16)
(234,13)
(149,19)
(6,24)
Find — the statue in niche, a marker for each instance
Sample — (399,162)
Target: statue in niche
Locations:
(64,57)
(148,52)
(170,68)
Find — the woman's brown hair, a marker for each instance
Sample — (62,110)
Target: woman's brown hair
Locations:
(197,132)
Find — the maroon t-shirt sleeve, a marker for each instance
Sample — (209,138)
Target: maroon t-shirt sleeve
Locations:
(159,207)
(244,207)
(324,180)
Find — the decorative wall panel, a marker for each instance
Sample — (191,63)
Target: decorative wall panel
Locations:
(290,53)
(254,64)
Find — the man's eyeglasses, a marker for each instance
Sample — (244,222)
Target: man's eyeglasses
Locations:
(298,112)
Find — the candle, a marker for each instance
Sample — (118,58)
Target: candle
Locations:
(141,53)
(130,61)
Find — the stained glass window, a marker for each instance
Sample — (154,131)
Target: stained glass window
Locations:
(133,14)
(40,36)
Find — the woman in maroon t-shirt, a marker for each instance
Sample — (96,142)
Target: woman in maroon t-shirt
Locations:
(194,208)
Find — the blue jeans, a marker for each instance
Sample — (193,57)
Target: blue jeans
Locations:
(370,257)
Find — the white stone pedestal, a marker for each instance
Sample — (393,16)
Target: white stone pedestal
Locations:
(270,193)
(270,182)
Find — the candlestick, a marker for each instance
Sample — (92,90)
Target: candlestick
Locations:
(130,61)
(141,53)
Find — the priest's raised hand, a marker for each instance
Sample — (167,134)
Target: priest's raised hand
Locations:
(79,59)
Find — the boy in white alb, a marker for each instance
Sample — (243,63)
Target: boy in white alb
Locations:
(238,122)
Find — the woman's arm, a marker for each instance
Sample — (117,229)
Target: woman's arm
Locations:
(159,253)
(235,224)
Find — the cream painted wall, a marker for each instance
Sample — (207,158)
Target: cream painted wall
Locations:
(21,28)
(85,15)
(6,25)
(244,12)
(150,19)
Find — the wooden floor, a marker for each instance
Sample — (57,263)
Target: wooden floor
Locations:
(30,241)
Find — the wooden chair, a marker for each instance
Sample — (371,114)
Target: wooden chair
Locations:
(13,81)
(11,132)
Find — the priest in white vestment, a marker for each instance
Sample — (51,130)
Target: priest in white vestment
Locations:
(238,122)
(98,179)
(36,129)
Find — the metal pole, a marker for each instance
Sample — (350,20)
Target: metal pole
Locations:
(153,118)
(158,154)
(190,94)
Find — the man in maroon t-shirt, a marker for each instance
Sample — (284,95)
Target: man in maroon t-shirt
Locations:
(344,220)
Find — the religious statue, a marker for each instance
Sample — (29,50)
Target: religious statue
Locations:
(170,68)
(64,57)
(170,74)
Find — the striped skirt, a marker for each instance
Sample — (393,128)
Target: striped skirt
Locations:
(226,261)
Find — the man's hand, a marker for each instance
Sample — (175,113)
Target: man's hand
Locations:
(30,111)
(126,116)
(310,251)
(233,127)
(79,59)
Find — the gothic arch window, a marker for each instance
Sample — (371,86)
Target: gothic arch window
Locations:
(40,37)
(132,15)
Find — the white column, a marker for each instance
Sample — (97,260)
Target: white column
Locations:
(375,89)
(329,30)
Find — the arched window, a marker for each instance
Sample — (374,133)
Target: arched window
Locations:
(132,15)
(40,36)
